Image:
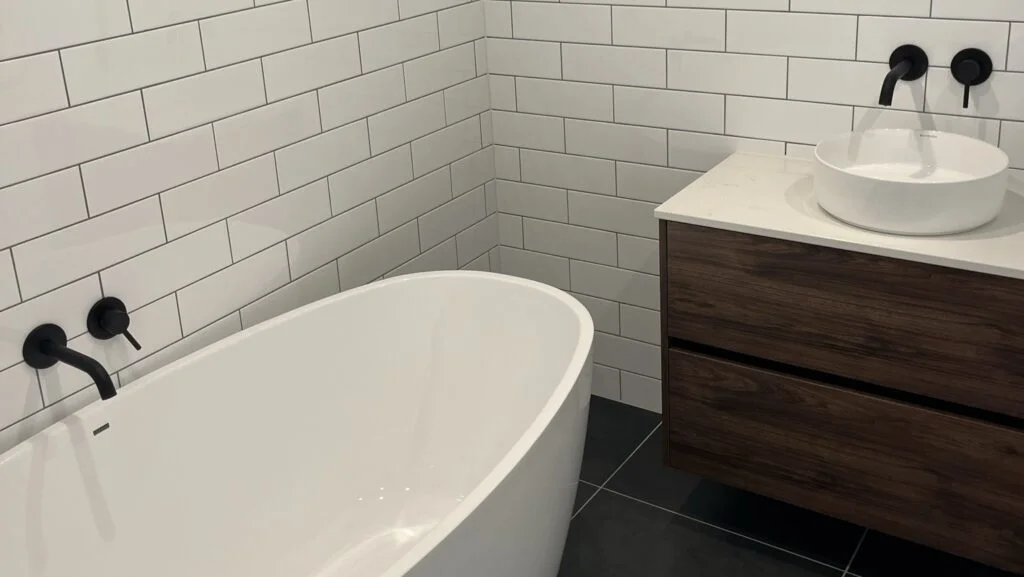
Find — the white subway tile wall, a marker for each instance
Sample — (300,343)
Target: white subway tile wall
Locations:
(216,163)
(604,108)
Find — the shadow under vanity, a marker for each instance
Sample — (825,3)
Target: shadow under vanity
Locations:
(874,378)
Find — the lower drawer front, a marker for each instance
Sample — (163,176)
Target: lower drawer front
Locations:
(938,479)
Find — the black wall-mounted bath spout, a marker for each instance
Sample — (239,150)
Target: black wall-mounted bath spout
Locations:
(47,345)
(908,63)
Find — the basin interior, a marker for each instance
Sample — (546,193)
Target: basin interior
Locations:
(912,156)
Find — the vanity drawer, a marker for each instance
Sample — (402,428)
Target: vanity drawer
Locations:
(934,331)
(938,479)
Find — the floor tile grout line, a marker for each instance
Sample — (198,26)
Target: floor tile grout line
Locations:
(617,469)
(724,530)
(856,550)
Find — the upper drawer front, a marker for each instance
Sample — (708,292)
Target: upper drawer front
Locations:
(935,331)
(946,481)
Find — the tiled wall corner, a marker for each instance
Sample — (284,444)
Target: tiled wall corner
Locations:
(216,163)
(604,108)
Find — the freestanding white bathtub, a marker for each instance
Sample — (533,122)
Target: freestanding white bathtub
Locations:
(429,425)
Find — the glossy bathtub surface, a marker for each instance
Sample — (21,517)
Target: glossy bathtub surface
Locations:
(347,438)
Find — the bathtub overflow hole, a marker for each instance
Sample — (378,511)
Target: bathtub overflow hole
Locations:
(101,429)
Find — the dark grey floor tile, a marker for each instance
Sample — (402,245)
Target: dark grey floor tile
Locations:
(618,537)
(613,432)
(816,536)
(583,492)
(884,556)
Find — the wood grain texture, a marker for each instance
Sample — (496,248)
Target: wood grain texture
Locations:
(941,480)
(934,331)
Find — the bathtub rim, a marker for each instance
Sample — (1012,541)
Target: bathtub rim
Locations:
(508,461)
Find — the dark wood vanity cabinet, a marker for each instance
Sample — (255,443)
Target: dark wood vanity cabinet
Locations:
(885,392)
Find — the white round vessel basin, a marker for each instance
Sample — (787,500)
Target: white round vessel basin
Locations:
(915,182)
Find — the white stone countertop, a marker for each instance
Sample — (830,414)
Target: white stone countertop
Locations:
(774,197)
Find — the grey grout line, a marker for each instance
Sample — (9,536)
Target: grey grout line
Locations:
(725,530)
(601,487)
(856,550)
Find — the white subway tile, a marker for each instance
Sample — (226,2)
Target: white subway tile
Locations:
(566,171)
(606,379)
(615,284)
(439,70)
(167,268)
(132,175)
(415,7)
(370,179)
(36,423)
(461,24)
(670,109)
(532,200)
(476,242)
(19,394)
(192,206)
(309,250)
(695,151)
(876,7)
(407,202)
(250,33)
(232,288)
(8,282)
(736,4)
(373,259)
(451,218)
(510,230)
(613,214)
(498,16)
(487,128)
(266,129)
(570,241)
(198,340)
(994,99)
(334,18)
(794,34)
(641,392)
(319,284)
(360,97)
(298,70)
(506,163)
(398,42)
(551,270)
(1015,60)
(978,10)
(130,62)
(744,74)
(503,92)
(475,170)
(39,206)
(34,147)
(641,324)
(562,22)
(48,262)
(785,119)
(441,257)
(405,123)
(278,219)
(616,141)
(639,254)
(614,65)
(445,146)
(651,183)
(322,155)
(529,131)
(670,28)
(853,83)
(31,86)
(605,313)
(36,26)
(524,58)
(627,354)
(67,306)
(941,39)
(196,100)
(568,99)
(467,99)
(155,13)
(1012,142)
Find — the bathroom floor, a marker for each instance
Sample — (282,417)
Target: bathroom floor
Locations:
(635,517)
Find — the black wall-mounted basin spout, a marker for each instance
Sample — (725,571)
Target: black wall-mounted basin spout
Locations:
(908,63)
(47,345)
